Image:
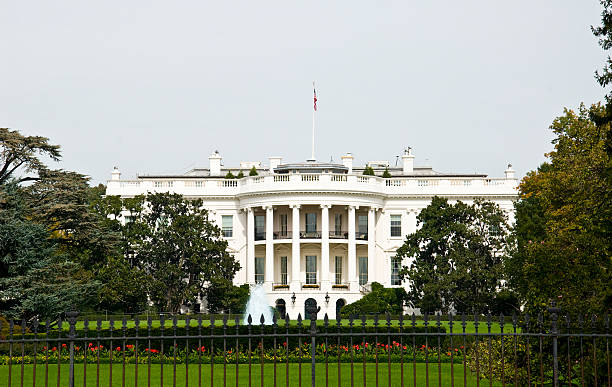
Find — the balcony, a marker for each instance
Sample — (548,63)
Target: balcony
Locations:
(282,234)
(340,286)
(361,236)
(280,286)
(314,286)
(310,235)
(338,235)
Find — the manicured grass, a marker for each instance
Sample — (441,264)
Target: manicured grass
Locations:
(457,328)
(243,375)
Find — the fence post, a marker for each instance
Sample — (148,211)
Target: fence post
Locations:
(72,318)
(312,311)
(554,315)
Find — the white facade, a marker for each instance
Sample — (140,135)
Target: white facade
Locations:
(319,230)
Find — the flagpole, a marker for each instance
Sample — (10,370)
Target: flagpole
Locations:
(312,156)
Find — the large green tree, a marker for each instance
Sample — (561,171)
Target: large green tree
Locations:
(37,279)
(180,250)
(563,220)
(456,256)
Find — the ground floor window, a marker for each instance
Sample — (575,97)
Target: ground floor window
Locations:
(283,270)
(396,264)
(281,307)
(260,265)
(339,304)
(363,270)
(311,269)
(310,307)
(338,270)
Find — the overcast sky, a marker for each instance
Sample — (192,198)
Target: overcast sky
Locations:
(155,86)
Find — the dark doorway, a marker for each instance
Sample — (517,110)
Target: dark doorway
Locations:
(339,304)
(309,305)
(281,306)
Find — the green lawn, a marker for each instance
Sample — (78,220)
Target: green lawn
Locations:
(243,375)
(457,328)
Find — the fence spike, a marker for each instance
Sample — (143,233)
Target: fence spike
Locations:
(299,319)
(607,321)
(236,320)
(249,319)
(376,320)
(502,321)
(426,319)
(388,317)
(413,323)
(489,321)
(527,320)
(568,322)
(224,320)
(262,319)
(287,319)
(593,322)
(400,319)
(338,319)
(438,322)
(351,319)
(274,319)
(325,320)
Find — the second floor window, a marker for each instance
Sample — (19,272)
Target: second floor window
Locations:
(396,225)
(338,224)
(227,225)
(260,267)
(311,269)
(311,222)
(260,227)
(283,225)
(396,265)
(362,223)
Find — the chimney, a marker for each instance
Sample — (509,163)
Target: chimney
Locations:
(347,160)
(408,161)
(509,173)
(215,164)
(274,162)
(115,175)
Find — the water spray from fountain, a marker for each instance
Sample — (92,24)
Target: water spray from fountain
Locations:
(257,306)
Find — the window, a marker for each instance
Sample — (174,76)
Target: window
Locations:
(396,264)
(338,270)
(338,224)
(363,270)
(362,227)
(311,270)
(283,225)
(283,270)
(227,225)
(260,266)
(311,222)
(396,225)
(260,227)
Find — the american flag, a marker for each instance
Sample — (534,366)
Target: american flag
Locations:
(315,96)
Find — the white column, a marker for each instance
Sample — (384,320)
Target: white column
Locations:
(371,245)
(352,260)
(295,249)
(269,270)
(325,284)
(412,221)
(250,266)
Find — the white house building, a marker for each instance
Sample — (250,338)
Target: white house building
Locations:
(317,232)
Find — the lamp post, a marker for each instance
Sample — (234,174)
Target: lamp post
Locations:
(327,298)
(293,298)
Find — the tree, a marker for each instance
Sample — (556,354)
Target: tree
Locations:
(37,279)
(386,173)
(604,33)
(564,221)
(21,153)
(223,297)
(253,171)
(368,171)
(180,249)
(379,301)
(240,175)
(456,256)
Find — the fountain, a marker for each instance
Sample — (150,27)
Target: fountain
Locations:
(258,305)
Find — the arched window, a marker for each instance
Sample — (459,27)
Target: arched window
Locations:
(339,304)
(309,304)
(281,306)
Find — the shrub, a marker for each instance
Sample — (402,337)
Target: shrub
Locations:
(386,173)
(380,300)
(369,171)
(230,175)
(240,175)
(253,171)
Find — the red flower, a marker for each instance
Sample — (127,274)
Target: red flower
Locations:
(118,349)
(54,349)
(90,345)
(129,346)
(63,345)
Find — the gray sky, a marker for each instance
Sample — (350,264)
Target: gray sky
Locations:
(155,86)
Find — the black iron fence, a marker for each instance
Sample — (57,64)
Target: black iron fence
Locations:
(549,349)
